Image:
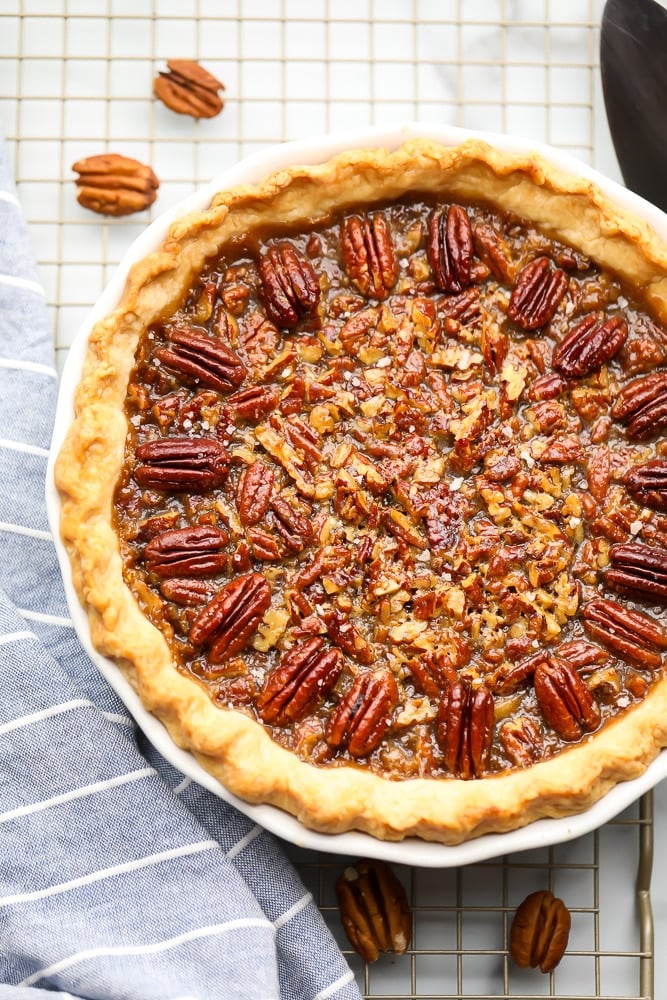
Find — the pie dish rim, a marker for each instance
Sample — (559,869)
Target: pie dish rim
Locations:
(259,165)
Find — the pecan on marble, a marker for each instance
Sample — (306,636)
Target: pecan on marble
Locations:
(537,293)
(197,550)
(564,700)
(304,677)
(465,728)
(648,484)
(228,622)
(189,89)
(111,184)
(589,345)
(181,463)
(202,361)
(289,287)
(362,717)
(642,406)
(638,570)
(540,931)
(522,741)
(253,404)
(374,909)
(450,248)
(253,493)
(632,635)
(368,255)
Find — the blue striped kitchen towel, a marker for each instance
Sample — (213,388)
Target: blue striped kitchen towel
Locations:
(118,878)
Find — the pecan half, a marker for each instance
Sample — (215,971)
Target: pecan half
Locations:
(192,551)
(253,494)
(537,293)
(564,700)
(492,251)
(509,677)
(588,345)
(465,728)
(638,569)
(304,677)
(200,360)
(227,623)
(361,719)
(253,404)
(189,89)
(632,635)
(642,406)
(374,909)
(181,463)
(289,290)
(346,636)
(294,528)
(540,931)
(186,592)
(450,248)
(110,184)
(522,741)
(648,484)
(368,255)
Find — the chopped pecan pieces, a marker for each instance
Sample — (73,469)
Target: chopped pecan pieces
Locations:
(537,293)
(565,702)
(631,635)
(303,678)
(589,345)
(361,719)
(182,463)
(111,184)
(648,484)
(522,741)
(193,551)
(228,622)
(450,248)
(465,728)
(189,89)
(642,406)
(368,255)
(639,570)
(200,360)
(374,909)
(540,931)
(290,290)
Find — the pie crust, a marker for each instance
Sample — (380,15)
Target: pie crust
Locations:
(228,743)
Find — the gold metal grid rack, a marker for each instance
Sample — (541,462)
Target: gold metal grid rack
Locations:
(76,78)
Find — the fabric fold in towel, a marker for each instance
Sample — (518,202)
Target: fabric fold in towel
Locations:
(119,878)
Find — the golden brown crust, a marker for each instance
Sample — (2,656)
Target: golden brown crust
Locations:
(235,749)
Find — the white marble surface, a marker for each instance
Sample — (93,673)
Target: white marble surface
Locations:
(75,78)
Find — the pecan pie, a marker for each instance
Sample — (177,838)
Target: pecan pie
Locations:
(366,491)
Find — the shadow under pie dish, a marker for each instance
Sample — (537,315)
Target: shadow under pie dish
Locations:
(365,490)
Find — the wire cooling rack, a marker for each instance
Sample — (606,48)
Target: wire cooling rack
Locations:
(76,79)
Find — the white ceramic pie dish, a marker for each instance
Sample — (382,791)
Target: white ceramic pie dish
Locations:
(410,851)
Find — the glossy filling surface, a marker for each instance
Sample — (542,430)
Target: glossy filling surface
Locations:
(395,488)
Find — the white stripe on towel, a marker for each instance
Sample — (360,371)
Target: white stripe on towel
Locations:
(28,449)
(28,366)
(42,616)
(76,793)
(146,949)
(293,910)
(20,529)
(330,990)
(16,636)
(128,866)
(26,283)
(44,713)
